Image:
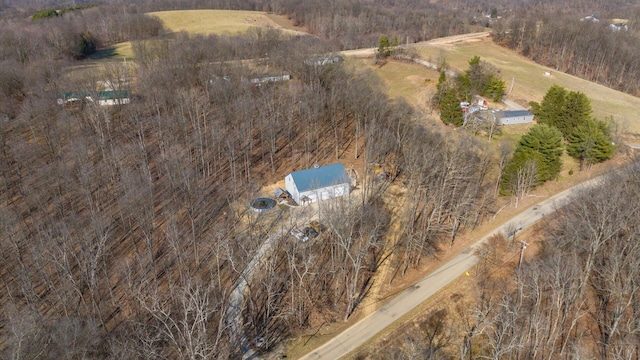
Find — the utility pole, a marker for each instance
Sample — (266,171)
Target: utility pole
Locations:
(524,246)
(513,79)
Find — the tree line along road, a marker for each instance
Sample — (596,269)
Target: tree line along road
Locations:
(413,296)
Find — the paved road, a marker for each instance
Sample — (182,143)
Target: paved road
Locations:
(407,300)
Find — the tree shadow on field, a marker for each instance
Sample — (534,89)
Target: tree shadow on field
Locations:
(105,53)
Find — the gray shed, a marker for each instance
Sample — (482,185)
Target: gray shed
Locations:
(318,183)
(510,117)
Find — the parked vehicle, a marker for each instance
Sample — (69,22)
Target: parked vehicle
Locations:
(299,235)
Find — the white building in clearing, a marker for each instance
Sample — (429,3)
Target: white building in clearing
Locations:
(318,183)
(510,117)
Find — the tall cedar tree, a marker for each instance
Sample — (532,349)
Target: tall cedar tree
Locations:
(440,87)
(562,109)
(494,88)
(577,111)
(543,144)
(519,171)
(450,111)
(547,141)
(383,47)
(550,109)
(476,74)
(590,143)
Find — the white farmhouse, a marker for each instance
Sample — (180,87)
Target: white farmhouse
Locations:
(318,183)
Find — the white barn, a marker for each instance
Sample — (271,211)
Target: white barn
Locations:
(318,183)
(510,117)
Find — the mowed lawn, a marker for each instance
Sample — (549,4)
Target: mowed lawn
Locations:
(206,22)
(531,83)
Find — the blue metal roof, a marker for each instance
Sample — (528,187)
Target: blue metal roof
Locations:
(316,178)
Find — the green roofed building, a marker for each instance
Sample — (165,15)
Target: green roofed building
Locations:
(318,183)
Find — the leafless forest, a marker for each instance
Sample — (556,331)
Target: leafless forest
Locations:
(121,233)
(578,298)
(588,49)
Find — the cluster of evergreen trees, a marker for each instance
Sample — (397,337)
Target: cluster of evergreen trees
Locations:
(564,121)
(480,78)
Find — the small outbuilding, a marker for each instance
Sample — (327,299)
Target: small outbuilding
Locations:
(102,98)
(323,60)
(318,183)
(269,79)
(511,117)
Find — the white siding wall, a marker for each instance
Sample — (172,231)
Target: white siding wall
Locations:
(110,102)
(516,120)
(326,193)
(290,186)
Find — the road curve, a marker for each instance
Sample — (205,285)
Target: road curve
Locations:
(413,296)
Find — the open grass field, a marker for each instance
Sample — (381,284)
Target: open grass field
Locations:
(531,83)
(206,22)
(415,83)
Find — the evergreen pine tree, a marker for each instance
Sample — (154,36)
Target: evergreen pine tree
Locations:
(541,145)
(547,141)
(562,109)
(450,111)
(590,143)
(552,105)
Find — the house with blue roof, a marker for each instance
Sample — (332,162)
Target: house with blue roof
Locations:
(318,183)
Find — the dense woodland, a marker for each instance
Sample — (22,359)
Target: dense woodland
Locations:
(124,229)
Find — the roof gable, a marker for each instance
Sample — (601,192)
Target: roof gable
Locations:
(323,176)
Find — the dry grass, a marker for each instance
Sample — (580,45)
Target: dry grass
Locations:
(124,50)
(206,22)
(415,83)
(530,83)
(116,52)
(286,23)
